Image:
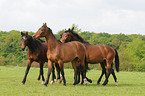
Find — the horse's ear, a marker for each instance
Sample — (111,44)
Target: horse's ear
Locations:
(26,33)
(22,33)
(69,29)
(45,25)
(72,28)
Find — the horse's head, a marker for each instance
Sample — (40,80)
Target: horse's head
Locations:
(24,40)
(66,36)
(41,31)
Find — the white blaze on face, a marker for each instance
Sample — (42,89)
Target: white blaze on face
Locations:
(24,37)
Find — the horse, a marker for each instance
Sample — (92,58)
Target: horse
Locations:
(63,52)
(37,50)
(102,54)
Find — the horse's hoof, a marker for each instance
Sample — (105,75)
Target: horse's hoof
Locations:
(85,84)
(85,81)
(22,83)
(98,83)
(55,80)
(59,81)
(64,84)
(43,82)
(45,85)
(74,84)
(103,84)
(81,83)
(91,81)
(51,82)
(116,83)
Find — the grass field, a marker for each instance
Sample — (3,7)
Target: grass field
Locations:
(130,84)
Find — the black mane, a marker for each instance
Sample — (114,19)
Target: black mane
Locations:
(34,44)
(53,35)
(78,36)
(41,40)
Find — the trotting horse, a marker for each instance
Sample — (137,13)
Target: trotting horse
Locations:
(102,54)
(63,52)
(37,50)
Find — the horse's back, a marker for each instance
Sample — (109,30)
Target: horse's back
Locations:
(97,53)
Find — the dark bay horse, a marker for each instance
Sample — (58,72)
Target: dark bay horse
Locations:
(63,52)
(37,50)
(102,54)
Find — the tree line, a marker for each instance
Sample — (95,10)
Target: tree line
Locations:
(131,48)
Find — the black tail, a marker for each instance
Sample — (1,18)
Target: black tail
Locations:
(116,61)
(86,64)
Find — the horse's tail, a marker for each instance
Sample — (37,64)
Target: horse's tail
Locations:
(116,61)
(86,64)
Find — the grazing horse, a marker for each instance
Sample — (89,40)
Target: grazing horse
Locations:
(102,54)
(63,52)
(37,50)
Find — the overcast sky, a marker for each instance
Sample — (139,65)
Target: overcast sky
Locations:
(110,16)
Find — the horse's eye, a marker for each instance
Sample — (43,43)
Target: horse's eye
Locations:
(41,29)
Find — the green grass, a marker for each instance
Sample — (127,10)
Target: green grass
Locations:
(130,84)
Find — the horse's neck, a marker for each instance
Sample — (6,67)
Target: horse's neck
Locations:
(52,42)
(32,46)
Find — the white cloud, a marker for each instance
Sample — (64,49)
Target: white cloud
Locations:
(90,15)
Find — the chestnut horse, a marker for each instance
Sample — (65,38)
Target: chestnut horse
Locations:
(36,52)
(102,54)
(63,52)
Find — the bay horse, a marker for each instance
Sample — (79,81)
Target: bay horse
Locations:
(63,52)
(37,50)
(102,54)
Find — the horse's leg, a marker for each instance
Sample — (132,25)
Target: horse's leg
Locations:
(29,62)
(75,71)
(41,72)
(49,72)
(114,76)
(83,70)
(108,71)
(78,74)
(53,75)
(89,80)
(58,72)
(62,71)
(82,78)
(38,77)
(103,71)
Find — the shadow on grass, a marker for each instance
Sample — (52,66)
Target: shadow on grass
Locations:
(108,85)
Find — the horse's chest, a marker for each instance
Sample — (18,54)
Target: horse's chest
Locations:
(33,57)
(53,57)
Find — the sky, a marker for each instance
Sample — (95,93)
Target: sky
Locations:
(109,16)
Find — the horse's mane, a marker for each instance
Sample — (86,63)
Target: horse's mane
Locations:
(78,36)
(53,34)
(35,42)
(41,40)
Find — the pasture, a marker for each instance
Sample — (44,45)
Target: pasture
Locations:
(130,84)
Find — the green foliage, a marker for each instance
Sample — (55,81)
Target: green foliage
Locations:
(131,48)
